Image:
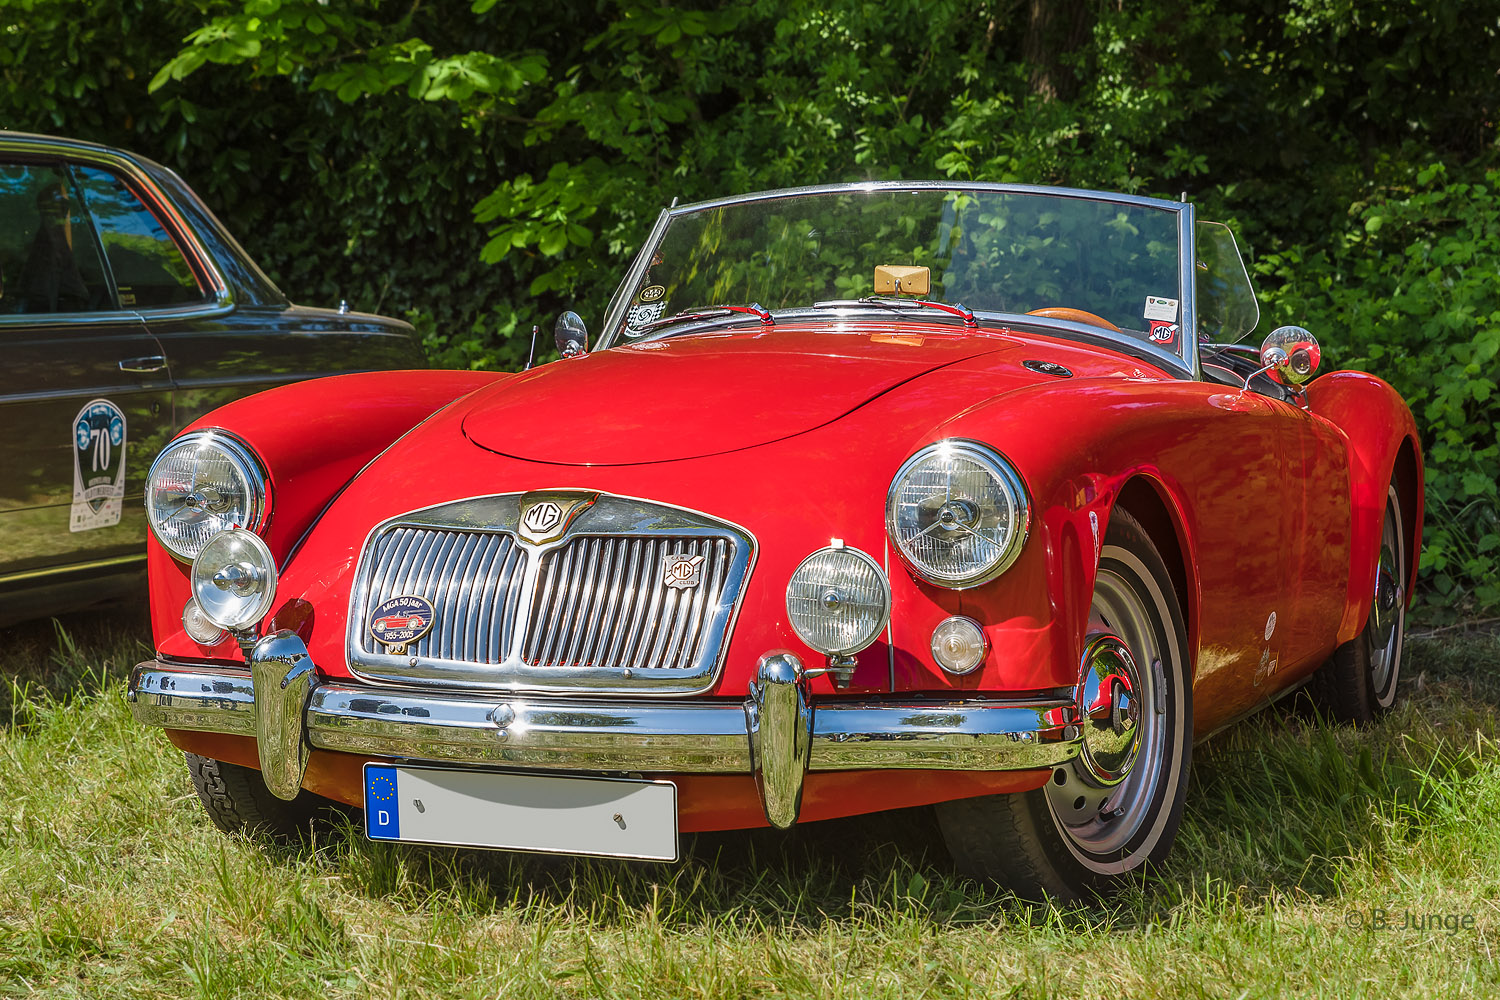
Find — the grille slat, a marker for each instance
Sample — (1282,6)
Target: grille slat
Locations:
(604,602)
(457,637)
(455,570)
(596,609)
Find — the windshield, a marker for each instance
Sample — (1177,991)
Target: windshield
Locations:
(992,251)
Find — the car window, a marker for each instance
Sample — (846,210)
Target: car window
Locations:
(49,262)
(1227,310)
(148,269)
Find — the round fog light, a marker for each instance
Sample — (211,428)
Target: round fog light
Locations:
(196,624)
(958,645)
(838,601)
(234,579)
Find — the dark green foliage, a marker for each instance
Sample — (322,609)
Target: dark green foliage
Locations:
(480,166)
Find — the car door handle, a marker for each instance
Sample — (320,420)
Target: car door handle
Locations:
(153,363)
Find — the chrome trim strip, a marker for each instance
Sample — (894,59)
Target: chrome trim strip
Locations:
(720,736)
(79,568)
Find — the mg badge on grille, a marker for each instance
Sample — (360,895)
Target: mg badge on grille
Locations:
(401,621)
(546,515)
(684,571)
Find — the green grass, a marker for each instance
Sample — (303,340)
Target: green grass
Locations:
(113,883)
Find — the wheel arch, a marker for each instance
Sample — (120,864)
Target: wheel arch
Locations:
(1407,475)
(1148,500)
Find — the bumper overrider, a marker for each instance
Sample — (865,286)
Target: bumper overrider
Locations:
(777,733)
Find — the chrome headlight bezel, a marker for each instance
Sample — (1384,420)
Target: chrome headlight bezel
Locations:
(1003,475)
(245,463)
(883,617)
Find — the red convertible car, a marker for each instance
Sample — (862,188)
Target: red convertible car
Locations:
(867,496)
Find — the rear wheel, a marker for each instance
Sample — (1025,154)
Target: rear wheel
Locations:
(1113,812)
(1358,683)
(238,801)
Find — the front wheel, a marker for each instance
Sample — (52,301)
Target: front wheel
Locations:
(1113,812)
(238,801)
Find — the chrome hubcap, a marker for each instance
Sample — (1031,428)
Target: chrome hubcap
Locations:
(1111,711)
(1102,798)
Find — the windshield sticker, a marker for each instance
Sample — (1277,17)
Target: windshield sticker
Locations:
(1160,308)
(98,466)
(641,315)
(651,293)
(1163,332)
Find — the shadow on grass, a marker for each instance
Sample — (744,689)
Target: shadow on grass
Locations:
(1280,805)
(81,653)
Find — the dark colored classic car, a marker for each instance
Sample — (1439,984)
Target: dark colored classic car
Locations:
(126,312)
(869,496)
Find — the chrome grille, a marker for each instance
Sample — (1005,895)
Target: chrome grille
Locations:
(470,577)
(586,609)
(603,602)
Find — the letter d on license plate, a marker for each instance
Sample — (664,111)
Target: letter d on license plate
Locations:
(605,817)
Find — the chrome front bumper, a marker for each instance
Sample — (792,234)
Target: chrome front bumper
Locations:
(777,733)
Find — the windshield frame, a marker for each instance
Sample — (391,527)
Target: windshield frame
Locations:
(1184,366)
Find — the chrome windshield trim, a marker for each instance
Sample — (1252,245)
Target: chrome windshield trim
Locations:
(612,332)
(619,302)
(871,186)
(1187,242)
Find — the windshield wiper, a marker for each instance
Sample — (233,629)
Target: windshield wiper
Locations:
(711,312)
(963,312)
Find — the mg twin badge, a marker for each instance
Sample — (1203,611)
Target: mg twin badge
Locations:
(98,466)
(400,621)
(545,516)
(683,571)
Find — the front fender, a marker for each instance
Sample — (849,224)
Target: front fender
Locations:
(1379,430)
(312,437)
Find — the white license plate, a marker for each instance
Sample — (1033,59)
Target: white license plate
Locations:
(605,817)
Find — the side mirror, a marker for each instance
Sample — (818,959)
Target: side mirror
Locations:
(572,336)
(1291,354)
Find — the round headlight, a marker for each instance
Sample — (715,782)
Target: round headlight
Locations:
(234,579)
(839,601)
(957,513)
(202,484)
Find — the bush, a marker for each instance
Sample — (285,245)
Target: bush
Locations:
(1410,291)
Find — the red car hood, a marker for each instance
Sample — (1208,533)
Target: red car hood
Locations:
(703,395)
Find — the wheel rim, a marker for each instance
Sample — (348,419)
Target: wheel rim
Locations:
(1388,611)
(1099,817)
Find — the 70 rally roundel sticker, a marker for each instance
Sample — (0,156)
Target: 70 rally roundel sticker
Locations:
(400,621)
(98,466)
